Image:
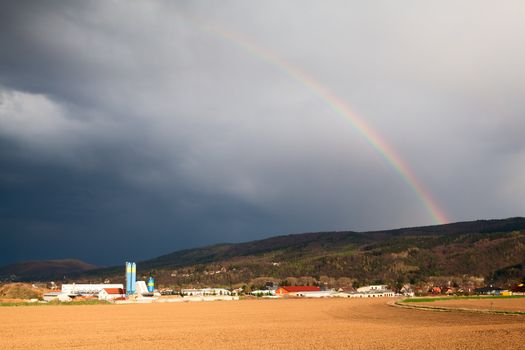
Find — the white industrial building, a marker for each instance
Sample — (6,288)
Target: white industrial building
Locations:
(373,291)
(205,292)
(262,292)
(316,294)
(87,289)
(372,288)
(373,294)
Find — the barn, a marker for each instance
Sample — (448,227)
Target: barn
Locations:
(295,290)
(111,293)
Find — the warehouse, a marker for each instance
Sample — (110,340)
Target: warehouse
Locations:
(296,290)
(205,291)
(87,289)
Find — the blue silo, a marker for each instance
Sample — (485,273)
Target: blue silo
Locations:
(133,277)
(128,278)
(151,284)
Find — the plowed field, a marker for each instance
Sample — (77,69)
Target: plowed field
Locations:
(255,324)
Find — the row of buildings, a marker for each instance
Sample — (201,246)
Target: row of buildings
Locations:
(374,291)
(112,292)
(69,292)
(115,292)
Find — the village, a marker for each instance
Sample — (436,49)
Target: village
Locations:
(146,292)
(116,293)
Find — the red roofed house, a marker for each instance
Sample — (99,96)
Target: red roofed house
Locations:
(111,293)
(293,290)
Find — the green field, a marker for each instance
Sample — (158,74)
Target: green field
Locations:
(426,300)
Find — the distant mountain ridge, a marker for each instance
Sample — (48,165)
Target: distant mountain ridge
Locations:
(44,269)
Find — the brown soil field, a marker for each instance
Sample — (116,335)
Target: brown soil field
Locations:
(517,304)
(255,324)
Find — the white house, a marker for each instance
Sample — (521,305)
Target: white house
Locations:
(111,293)
(407,291)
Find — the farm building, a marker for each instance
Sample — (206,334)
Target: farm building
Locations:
(262,292)
(205,291)
(377,287)
(406,290)
(374,291)
(295,290)
(56,296)
(87,289)
(111,293)
(372,294)
(317,294)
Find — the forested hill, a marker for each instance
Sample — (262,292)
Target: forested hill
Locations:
(44,269)
(494,249)
(297,245)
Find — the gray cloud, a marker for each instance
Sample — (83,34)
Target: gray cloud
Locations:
(134,120)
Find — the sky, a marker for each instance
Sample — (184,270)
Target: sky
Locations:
(133,129)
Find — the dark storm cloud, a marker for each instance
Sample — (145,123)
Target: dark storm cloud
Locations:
(128,130)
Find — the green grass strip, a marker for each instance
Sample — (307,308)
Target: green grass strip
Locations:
(426,300)
(60,303)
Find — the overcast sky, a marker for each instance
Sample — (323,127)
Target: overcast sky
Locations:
(132,129)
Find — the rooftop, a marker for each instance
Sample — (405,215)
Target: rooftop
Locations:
(293,289)
(114,290)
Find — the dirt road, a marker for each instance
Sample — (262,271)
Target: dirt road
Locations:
(255,324)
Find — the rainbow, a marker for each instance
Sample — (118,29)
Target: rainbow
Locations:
(386,151)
